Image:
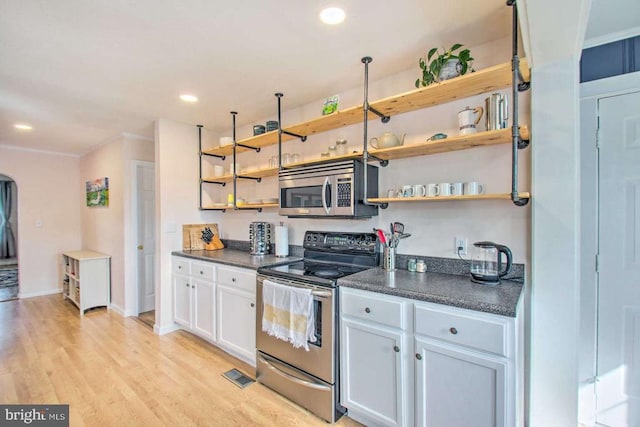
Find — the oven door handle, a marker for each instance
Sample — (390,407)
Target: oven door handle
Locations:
(292,378)
(321,294)
(324,194)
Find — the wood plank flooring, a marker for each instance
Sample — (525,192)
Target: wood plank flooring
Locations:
(115,371)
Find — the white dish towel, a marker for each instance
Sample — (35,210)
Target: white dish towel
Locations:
(288,313)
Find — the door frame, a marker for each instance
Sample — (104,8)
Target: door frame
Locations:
(590,94)
(131,242)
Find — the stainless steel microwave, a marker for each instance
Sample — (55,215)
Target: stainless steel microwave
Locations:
(328,190)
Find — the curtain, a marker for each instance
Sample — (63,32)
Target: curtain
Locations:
(7,240)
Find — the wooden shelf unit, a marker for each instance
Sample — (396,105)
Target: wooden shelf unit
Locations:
(495,196)
(86,280)
(482,81)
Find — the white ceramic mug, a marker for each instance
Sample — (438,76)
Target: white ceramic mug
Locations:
(432,190)
(457,189)
(445,188)
(391,193)
(473,187)
(218,170)
(407,191)
(419,190)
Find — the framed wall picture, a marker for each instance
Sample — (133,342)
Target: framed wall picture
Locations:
(98,192)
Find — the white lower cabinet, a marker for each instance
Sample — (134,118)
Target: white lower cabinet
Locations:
(406,363)
(379,393)
(217,303)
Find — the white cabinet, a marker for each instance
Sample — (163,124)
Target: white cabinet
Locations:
(456,387)
(407,362)
(236,312)
(194,296)
(375,353)
(217,302)
(86,279)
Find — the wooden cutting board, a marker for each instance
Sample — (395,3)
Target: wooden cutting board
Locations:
(192,237)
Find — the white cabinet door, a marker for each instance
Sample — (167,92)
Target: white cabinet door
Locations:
(203,308)
(372,374)
(458,388)
(236,319)
(182,300)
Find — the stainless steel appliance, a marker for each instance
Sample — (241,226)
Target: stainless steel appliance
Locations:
(260,237)
(496,111)
(334,189)
(311,378)
(486,262)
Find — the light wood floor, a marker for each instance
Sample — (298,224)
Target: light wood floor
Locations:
(115,371)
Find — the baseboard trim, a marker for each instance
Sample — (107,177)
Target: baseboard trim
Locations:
(121,311)
(165,329)
(39,294)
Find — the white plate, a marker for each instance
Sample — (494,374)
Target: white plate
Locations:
(219,205)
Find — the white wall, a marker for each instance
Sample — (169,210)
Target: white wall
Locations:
(50,193)
(105,229)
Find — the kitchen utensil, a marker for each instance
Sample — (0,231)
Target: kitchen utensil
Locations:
(398,227)
(332,150)
(497,111)
(473,187)
(381,237)
(419,190)
(486,262)
(437,136)
(468,119)
(389,258)
(407,191)
(387,140)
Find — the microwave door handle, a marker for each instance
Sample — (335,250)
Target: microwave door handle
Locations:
(324,194)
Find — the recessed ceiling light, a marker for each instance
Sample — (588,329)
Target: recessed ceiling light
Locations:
(188,98)
(23,126)
(332,15)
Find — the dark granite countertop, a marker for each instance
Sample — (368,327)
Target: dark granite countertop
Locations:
(447,289)
(236,258)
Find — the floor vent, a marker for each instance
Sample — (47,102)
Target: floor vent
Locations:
(238,378)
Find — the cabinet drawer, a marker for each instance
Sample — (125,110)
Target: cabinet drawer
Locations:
(369,306)
(478,331)
(203,270)
(237,278)
(181,265)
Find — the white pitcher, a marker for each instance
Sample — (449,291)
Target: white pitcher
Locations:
(468,119)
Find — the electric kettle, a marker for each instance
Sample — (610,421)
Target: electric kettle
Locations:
(487,264)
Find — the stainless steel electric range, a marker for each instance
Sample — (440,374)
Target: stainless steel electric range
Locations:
(311,378)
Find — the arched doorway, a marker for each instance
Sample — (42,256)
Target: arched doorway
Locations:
(8,239)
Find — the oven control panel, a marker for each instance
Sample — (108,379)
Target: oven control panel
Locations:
(340,241)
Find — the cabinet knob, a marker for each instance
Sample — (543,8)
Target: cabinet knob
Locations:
(193,286)
(418,356)
(233,279)
(187,285)
(179,267)
(454,331)
(396,349)
(367,310)
(253,305)
(201,273)
(140,247)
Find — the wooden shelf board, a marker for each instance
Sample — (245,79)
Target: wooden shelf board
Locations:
(486,80)
(216,179)
(260,205)
(495,196)
(483,81)
(455,143)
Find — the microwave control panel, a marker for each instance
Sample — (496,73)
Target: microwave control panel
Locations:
(344,193)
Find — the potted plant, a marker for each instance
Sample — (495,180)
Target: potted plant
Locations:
(445,65)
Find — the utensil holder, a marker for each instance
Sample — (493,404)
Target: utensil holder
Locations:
(389,259)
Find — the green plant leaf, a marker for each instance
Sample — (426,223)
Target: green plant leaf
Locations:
(422,63)
(463,69)
(431,53)
(455,47)
(417,82)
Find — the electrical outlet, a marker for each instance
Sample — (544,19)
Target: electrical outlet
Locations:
(460,246)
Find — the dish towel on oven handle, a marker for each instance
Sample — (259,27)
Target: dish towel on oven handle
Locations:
(288,313)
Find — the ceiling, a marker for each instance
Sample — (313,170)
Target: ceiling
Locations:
(83,72)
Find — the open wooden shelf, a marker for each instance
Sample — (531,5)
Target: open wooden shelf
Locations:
(483,81)
(245,206)
(454,143)
(257,173)
(495,196)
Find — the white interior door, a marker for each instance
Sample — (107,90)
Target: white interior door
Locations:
(146,236)
(618,360)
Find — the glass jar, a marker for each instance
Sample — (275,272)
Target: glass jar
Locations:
(411,264)
(324,155)
(341,147)
(332,151)
(421,266)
